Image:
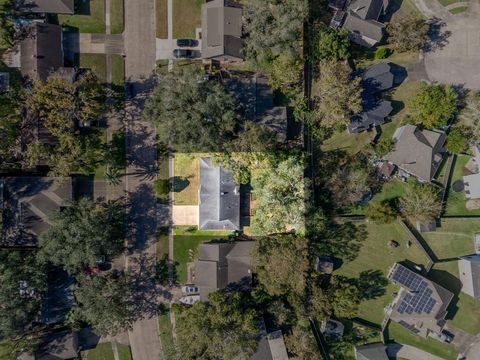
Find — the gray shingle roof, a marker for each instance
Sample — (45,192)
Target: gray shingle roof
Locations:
(367,9)
(47,6)
(219,198)
(378,77)
(375,116)
(375,351)
(469,270)
(369,28)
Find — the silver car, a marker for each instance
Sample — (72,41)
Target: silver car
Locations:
(189,289)
(190,299)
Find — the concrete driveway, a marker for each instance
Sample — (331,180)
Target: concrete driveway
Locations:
(185,214)
(455,54)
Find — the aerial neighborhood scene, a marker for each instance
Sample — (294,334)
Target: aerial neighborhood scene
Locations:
(239,179)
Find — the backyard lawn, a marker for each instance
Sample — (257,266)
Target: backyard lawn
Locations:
(89,19)
(161,19)
(397,334)
(183,246)
(184,26)
(186,179)
(116,20)
(454,238)
(375,254)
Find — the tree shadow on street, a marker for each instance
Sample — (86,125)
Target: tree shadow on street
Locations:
(437,35)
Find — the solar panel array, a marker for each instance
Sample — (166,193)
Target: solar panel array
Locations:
(419,300)
(409,327)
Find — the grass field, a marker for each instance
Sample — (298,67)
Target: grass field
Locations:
(104,351)
(448,2)
(162,243)
(186,18)
(161,17)
(407,7)
(96,62)
(182,244)
(118,70)
(375,254)
(397,334)
(166,336)
(116,20)
(458,10)
(89,19)
(454,238)
(186,174)
(5,347)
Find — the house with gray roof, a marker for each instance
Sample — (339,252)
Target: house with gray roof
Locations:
(66,7)
(374,351)
(219,198)
(378,78)
(222,264)
(420,305)
(368,119)
(222,31)
(27,204)
(271,347)
(62,345)
(417,152)
(469,270)
(362,21)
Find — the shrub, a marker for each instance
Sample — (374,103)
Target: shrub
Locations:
(162,187)
(381,53)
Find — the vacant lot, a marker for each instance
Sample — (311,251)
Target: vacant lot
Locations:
(375,254)
(186,18)
(89,19)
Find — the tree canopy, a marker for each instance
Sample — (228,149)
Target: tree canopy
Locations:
(434,105)
(458,139)
(7,21)
(421,202)
(226,326)
(81,234)
(191,114)
(332,44)
(407,33)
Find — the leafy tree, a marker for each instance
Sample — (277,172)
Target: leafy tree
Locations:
(7,28)
(22,282)
(470,114)
(381,213)
(224,327)
(274,27)
(279,196)
(344,297)
(191,114)
(332,44)
(301,344)
(337,96)
(104,302)
(407,33)
(381,53)
(285,72)
(458,139)
(81,233)
(434,105)
(281,264)
(421,202)
(162,187)
(384,146)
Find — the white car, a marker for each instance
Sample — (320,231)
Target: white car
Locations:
(189,289)
(190,299)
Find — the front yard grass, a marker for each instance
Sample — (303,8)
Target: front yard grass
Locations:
(103,351)
(166,336)
(90,18)
(116,16)
(448,2)
(118,70)
(397,334)
(187,17)
(124,352)
(183,245)
(96,62)
(375,254)
(186,179)
(454,238)
(161,19)
(458,10)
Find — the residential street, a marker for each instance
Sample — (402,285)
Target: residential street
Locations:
(139,40)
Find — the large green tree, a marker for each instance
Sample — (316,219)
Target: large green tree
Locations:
(407,33)
(331,44)
(81,234)
(7,28)
(191,114)
(226,326)
(434,105)
(104,302)
(421,202)
(458,139)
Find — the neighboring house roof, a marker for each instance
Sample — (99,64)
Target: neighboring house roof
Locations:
(374,116)
(375,351)
(47,6)
(418,152)
(255,99)
(377,78)
(469,270)
(59,346)
(221,264)
(421,305)
(219,198)
(472,186)
(41,51)
(367,9)
(221,30)
(28,202)
(271,347)
(59,298)
(4,81)
(371,29)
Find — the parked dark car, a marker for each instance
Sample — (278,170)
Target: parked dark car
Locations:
(183,53)
(187,42)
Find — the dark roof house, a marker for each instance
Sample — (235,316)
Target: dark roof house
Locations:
(66,7)
(41,50)
(377,78)
(417,152)
(421,305)
(271,347)
(222,31)
(374,351)
(219,198)
(221,264)
(27,204)
(368,119)
(362,21)
(469,270)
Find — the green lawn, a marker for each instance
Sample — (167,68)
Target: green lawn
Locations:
(161,17)
(116,17)
(454,238)
(351,143)
(96,62)
(182,244)
(186,174)
(456,201)
(467,317)
(458,10)
(118,70)
(89,19)
(103,351)
(5,350)
(186,18)
(407,7)
(375,254)
(397,334)
(162,243)
(448,2)
(193,231)
(166,337)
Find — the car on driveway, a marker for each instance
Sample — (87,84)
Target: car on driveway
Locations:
(189,289)
(190,299)
(187,42)
(183,53)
